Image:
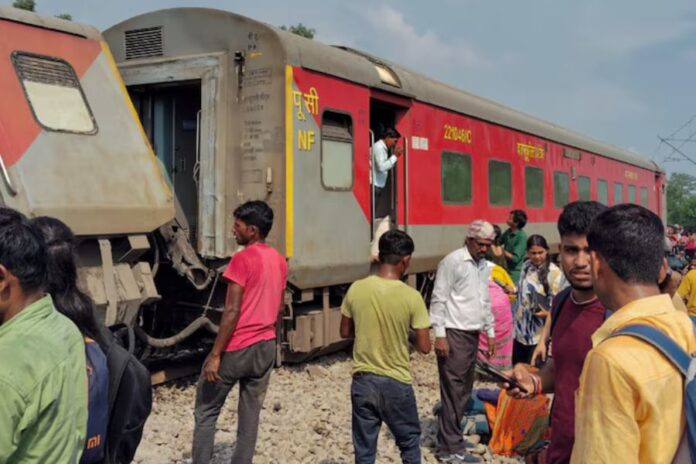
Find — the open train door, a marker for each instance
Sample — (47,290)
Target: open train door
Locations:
(176,102)
(388,204)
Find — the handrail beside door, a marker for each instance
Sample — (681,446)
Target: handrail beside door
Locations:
(372,187)
(6,177)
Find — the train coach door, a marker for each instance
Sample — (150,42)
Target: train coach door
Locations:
(171,118)
(178,105)
(387,112)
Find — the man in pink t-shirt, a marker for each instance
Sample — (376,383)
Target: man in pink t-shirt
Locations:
(245,347)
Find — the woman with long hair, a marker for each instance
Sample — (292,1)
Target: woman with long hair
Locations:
(539,282)
(61,283)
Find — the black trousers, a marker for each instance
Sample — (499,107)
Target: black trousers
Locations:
(250,367)
(456,382)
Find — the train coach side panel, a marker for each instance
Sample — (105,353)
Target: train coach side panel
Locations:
(439,225)
(102,180)
(329,236)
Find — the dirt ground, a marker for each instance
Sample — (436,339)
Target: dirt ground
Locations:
(306,418)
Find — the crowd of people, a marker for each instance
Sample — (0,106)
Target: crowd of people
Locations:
(680,250)
(500,299)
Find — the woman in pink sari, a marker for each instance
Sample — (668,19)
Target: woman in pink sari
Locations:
(500,286)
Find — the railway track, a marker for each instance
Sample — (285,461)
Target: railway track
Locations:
(169,374)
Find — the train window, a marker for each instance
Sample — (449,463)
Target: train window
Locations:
(499,183)
(336,151)
(618,193)
(631,193)
(584,188)
(644,196)
(561,189)
(534,186)
(456,178)
(602,192)
(54,93)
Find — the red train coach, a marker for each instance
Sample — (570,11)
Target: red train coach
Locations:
(237,109)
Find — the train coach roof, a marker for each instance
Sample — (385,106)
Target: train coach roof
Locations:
(47,22)
(362,68)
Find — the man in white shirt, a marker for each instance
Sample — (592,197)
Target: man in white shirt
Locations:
(382,162)
(460,308)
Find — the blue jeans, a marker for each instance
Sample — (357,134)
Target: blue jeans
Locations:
(378,399)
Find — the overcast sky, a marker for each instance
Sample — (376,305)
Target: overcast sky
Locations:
(620,71)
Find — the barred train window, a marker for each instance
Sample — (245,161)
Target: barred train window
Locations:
(54,93)
(534,186)
(584,188)
(631,193)
(618,193)
(644,196)
(456,178)
(561,189)
(336,151)
(499,183)
(602,191)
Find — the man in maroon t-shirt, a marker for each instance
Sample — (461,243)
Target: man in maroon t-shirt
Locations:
(579,315)
(245,348)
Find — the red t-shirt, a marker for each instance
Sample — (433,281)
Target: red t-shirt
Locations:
(572,340)
(262,271)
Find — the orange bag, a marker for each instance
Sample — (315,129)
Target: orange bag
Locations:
(517,425)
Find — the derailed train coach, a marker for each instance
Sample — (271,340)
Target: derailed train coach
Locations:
(238,109)
(71,146)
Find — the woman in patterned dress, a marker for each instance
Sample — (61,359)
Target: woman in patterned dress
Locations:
(540,280)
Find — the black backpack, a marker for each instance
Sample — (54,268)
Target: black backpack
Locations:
(130,401)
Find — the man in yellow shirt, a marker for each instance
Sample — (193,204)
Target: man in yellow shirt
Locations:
(687,291)
(629,406)
(378,312)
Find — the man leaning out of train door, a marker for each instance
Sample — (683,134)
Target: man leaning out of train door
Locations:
(43,379)
(245,347)
(382,162)
(460,308)
(378,312)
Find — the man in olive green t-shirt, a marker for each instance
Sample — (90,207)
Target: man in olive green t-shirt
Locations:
(378,312)
(43,378)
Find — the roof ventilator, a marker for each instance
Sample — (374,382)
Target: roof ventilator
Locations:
(144,43)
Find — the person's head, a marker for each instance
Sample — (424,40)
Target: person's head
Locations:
(395,249)
(498,234)
(537,249)
(61,280)
(252,222)
(390,137)
(22,262)
(573,226)
(626,247)
(517,219)
(479,238)
(692,263)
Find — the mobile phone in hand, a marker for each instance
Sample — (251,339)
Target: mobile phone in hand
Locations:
(497,374)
